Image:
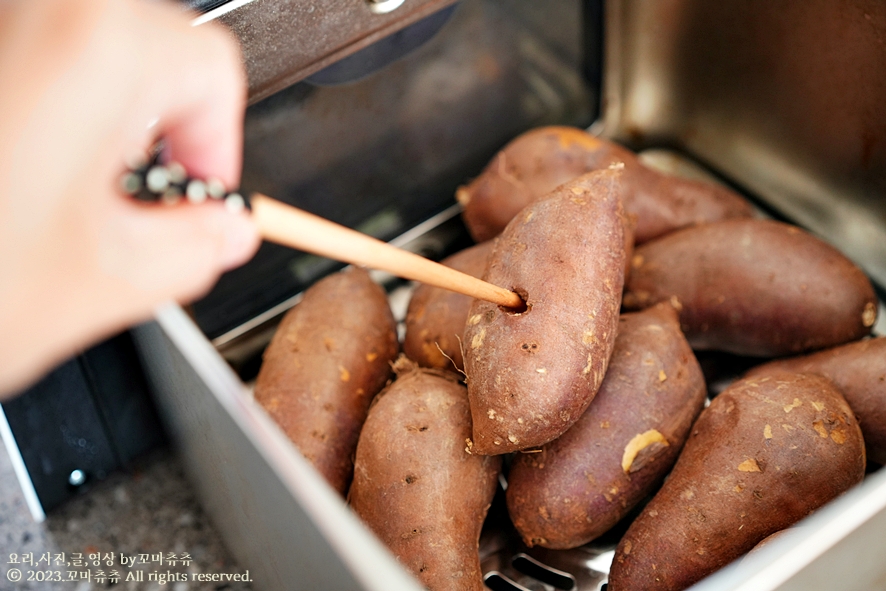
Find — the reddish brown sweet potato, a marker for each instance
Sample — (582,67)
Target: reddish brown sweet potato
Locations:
(859,372)
(763,455)
(754,287)
(531,375)
(416,485)
(540,160)
(326,362)
(580,485)
(436,317)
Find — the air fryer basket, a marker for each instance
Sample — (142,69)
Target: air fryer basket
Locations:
(781,100)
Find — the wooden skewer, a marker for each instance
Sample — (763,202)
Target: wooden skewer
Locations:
(299,229)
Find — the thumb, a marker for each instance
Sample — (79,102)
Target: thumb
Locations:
(178,252)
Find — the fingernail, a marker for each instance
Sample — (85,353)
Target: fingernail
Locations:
(241,241)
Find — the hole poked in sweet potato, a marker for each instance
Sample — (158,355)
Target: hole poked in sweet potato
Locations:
(520,310)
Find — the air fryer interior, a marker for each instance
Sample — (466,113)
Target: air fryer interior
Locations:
(779,100)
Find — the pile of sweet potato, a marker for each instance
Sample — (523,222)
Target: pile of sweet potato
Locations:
(593,387)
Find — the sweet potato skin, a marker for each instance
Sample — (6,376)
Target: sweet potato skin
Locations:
(330,356)
(577,487)
(762,456)
(859,372)
(436,317)
(530,376)
(581,484)
(538,161)
(416,485)
(754,287)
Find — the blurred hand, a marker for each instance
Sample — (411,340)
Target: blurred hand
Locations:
(85,84)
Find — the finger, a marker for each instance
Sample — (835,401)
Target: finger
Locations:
(162,253)
(206,133)
(199,106)
(136,257)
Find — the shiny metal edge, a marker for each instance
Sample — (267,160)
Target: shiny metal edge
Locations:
(400,241)
(219,12)
(21,472)
(423,228)
(365,557)
(257,321)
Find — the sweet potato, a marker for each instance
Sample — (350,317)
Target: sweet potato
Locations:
(859,372)
(581,484)
(538,161)
(329,357)
(754,287)
(531,375)
(417,486)
(767,452)
(436,317)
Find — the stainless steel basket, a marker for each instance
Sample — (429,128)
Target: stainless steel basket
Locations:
(783,100)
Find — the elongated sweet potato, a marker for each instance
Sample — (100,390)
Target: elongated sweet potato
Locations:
(754,287)
(538,161)
(416,485)
(326,362)
(859,372)
(531,375)
(581,484)
(767,452)
(436,317)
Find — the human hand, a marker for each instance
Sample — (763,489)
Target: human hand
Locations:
(80,83)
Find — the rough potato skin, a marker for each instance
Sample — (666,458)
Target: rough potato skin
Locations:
(330,356)
(417,486)
(436,317)
(576,487)
(754,287)
(538,161)
(530,376)
(859,372)
(767,452)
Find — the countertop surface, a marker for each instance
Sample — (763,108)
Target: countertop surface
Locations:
(136,516)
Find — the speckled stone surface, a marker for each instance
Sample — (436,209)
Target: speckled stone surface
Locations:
(149,510)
